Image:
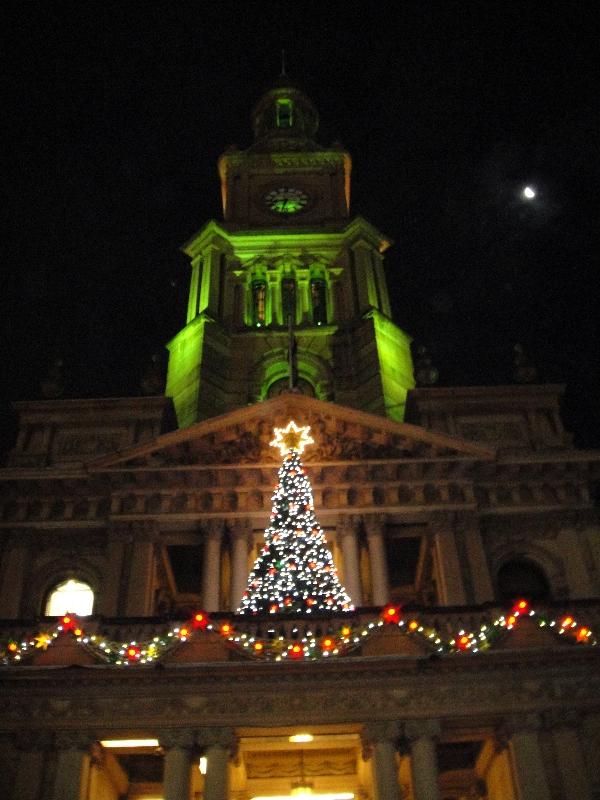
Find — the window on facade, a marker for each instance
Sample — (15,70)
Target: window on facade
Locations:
(186,563)
(259,303)
(70,597)
(288,299)
(402,554)
(522,578)
(283,385)
(318,296)
(284,113)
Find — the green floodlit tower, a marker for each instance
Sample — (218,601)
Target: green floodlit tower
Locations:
(287,247)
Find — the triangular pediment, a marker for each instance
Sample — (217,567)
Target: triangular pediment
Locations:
(243,436)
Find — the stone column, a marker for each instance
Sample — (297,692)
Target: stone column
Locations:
(72,765)
(33,748)
(304,298)
(109,599)
(179,747)
(379,741)
(239,562)
(449,577)
(211,577)
(141,573)
(218,744)
(193,298)
(375,526)
(365,285)
(572,769)
(382,293)
(11,577)
(422,736)
(483,591)
(529,772)
(210,286)
(347,530)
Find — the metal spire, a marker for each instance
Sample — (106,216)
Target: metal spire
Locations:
(283,73)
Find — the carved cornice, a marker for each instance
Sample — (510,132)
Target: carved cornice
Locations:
(519,723)
(562,718)
(80,740)
(31,741)
(538,524)
(320,158)
(224,696)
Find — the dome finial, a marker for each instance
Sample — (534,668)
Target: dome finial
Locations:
(283,73)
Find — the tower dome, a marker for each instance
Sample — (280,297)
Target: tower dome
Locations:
(284,119)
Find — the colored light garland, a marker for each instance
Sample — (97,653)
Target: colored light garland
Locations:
(308,645)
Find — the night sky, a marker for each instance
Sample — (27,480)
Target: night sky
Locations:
(117,113)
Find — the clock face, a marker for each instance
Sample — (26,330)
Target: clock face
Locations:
(286,200)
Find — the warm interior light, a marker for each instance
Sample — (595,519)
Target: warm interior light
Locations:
(202,765)
(332,796)
(129,743)
(148,797)
(302,789)
(300,738)
(70,597)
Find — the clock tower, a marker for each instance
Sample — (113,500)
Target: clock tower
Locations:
(288,254)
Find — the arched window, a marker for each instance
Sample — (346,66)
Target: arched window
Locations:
(318,296)
(283,385)
(70,596)
(522,578)
(259,303)
(284,113)
(288,300)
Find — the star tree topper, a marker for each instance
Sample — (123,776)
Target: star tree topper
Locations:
(292,438)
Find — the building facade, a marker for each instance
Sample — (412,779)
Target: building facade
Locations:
(462,523)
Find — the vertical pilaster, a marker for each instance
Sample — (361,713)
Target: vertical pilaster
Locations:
(209,293)
(192,310)
(239,573)
(375,527)
(108,601)
(481,581)
(179,747)
(422,736)
(384,300)
(448,572)
(218,745)
(347,528)
(304,297)
(11,578)
(33,748)
(72,765)
(572,769)
(141,574)
(379,740)
(212,565)
(365,283)
(529,772)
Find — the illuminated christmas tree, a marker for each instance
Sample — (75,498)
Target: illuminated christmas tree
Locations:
(295,572)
